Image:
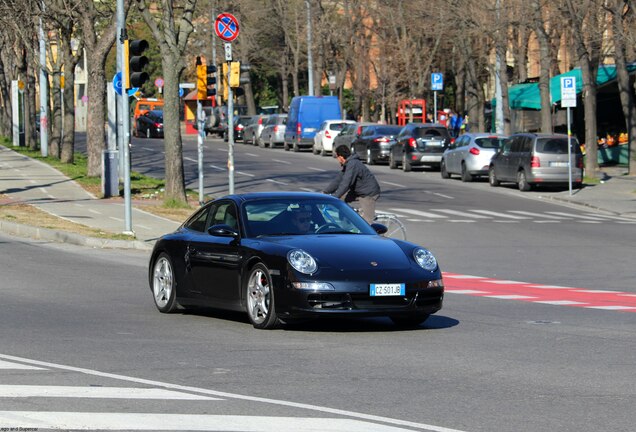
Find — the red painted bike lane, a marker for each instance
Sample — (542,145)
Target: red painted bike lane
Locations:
(536,293)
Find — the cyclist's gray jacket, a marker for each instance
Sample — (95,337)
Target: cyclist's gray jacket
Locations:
(354,177)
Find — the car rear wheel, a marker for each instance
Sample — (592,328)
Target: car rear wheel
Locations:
(370,160)
(296,148)
(259,295)
(254,141)
(285,146)
(271,142)
(392,163)
(442,170)
(522,181)
(492,178)
(323,152)
(314,150)
(466,176)
(412,320)
(406,165)
(163,284)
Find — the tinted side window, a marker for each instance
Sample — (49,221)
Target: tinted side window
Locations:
(489,142)
(225,214)
(197,221)
(516,144)
(507,146)
(526,145)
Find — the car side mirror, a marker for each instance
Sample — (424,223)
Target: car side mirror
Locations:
(223,230)
(379,228)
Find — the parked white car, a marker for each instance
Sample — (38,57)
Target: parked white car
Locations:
(323,141)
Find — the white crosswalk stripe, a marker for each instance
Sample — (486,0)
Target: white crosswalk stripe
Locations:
(510,216)
(24,391)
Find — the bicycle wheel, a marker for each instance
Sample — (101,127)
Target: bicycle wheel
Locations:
(395,228)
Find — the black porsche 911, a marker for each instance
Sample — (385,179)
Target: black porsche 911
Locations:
(288,256)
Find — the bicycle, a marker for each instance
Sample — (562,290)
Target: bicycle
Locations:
(395,227)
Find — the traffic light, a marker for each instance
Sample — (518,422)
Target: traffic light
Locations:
(226,92)
(235,74)
(136,62)
(204,80)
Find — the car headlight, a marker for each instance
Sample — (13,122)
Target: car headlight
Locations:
(425,259)
(302,261)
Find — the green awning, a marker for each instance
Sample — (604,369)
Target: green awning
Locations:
(528,96)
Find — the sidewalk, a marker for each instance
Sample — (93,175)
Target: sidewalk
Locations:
(615,194)
(29,181)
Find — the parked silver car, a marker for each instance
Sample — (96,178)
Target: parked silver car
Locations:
(532,159)
(469,156)
(273,132)
(252,132)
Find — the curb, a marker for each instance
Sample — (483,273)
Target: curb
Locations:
(38,233)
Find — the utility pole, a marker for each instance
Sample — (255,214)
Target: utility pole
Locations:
(124,139)
(499,117)
(310,63)
(44,93)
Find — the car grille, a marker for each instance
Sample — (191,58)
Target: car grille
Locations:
(357,301)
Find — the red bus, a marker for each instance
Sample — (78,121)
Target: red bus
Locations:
(416,107)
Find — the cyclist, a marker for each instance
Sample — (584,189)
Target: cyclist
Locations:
(356,181)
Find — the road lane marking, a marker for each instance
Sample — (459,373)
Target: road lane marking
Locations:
(611,307)
(392,184)
(460,213)
(497,214)
(251,154)
(418,213)
(217,167)
(27,391)
(541,215)
(205,391)
(245,174)
(559,302)
(281,161)
(575,216)
(465,291)
(190,159)
(510,297)
(19,420)
(316,169)
(277,181)
(11,365)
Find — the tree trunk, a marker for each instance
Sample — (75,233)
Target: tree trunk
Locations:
(175,183)
(545,64)
(67,153)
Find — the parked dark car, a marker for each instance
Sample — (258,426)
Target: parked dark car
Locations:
(349,133)
(239,125)
(419,144)
(374,143)
(150,124)
(529,159)
(290,255)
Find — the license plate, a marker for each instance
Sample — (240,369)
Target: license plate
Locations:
(379,290)
(558,164)
(308,130)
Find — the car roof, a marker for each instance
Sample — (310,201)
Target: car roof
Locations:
(240,198)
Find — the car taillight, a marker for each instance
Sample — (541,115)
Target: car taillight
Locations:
(238,127)
(535,162)
(359,130)
(327,134)
(260,121)
(412,143)
(474,150)
(158,125)
(299,129)
(579,163)
(382,139)
(275,128)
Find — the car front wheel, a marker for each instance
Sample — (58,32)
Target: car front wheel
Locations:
(406,165)
(392,162)
(164,285)
(442,170)
(259,294)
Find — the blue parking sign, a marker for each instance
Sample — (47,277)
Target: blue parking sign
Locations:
(437,81)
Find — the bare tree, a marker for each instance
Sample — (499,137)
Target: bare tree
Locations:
(171,25)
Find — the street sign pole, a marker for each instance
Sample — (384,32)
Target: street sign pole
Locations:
(435,105)
(437,84)
(230,131)
(568,99)
(200,138)
(226,27)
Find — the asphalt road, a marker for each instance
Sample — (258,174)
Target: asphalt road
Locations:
(527,238)
(85,318)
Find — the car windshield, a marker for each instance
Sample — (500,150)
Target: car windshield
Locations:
(489,142)
(290,216)
(388,130)
(337,126)
(556,145)
(427,132)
